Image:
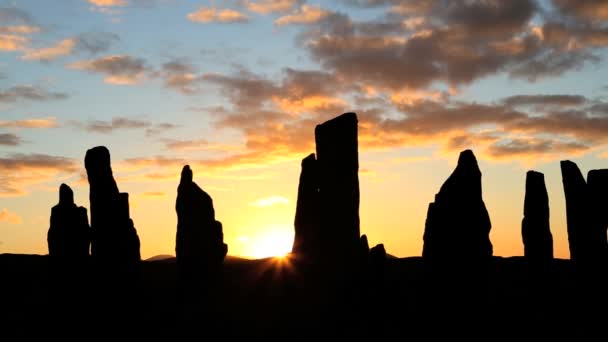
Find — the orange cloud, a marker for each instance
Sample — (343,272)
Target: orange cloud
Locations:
(304,15)
(49,122)
(209,15)
(9,217)
(11,42)
(270,6)
(63,48)
(108,3)
(19,29)
(19,171)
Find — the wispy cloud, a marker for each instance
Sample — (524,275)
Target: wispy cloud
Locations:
(270,201)
(108,3)
(210,15)
(123,123)
(306,14)
(9,139)
(49,122)
(117,69)
(19,171)
(9,217)
(270,6)
(29,92)
(62,48)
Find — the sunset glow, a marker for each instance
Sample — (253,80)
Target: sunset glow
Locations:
(235,90)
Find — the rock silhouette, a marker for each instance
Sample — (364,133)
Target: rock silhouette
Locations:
(458,223)
(69,233)
(535,230)
(338,166)
(199,245)
(327,212)
(586,219)
(307,229)
(115,244)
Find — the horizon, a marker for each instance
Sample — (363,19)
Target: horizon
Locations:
(235,90)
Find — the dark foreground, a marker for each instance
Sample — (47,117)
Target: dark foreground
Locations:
(269,300)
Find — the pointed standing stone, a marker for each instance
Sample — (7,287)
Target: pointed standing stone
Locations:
(307,230)
(199,245)
(458,224)
(535,230)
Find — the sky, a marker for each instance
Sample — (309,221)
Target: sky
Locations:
(235,89)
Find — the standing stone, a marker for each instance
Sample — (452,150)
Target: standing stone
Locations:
(457,223)
(577,212)
(69,234)
(338,165)
(307,229)
(199,245)
(535,230)
(115,243)
(597,185)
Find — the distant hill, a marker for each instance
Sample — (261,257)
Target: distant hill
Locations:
(160,257)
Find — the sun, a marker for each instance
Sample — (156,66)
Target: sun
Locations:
(272,243)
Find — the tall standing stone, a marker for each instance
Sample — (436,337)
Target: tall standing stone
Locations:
(199,245)
(69,233)
(577,212)
(597,185)
(457,223)
(535,230)
(338,165)
(115,243)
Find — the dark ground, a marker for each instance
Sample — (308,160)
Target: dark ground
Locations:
(265,299)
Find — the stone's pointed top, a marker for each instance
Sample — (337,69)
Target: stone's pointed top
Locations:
(467,160)
(568,164)
(535,174)
(570,169)
(186,175)
(97,156)
(66,195)
(344,119)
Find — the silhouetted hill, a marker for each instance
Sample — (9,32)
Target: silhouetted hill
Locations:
(267,299)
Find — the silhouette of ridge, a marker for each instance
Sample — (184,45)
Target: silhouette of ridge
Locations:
(115,244)
(69,232)
(199,245)
(458,223)
(535,229)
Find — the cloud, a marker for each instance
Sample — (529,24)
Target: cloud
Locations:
(62,48)
(123,123)
(180,75)
(29,92)
(304,15)
(19,29)
(11,15)
(554,100)
(9,139)
(160,128)
(585,9)
(108,3)
(117,69)
(116,123)
(209,15)
(12,42)
(270,6)
(19,171)
(270,201)
(534,148)
(9,217)
(49,122)
(198,145)
(95,42)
